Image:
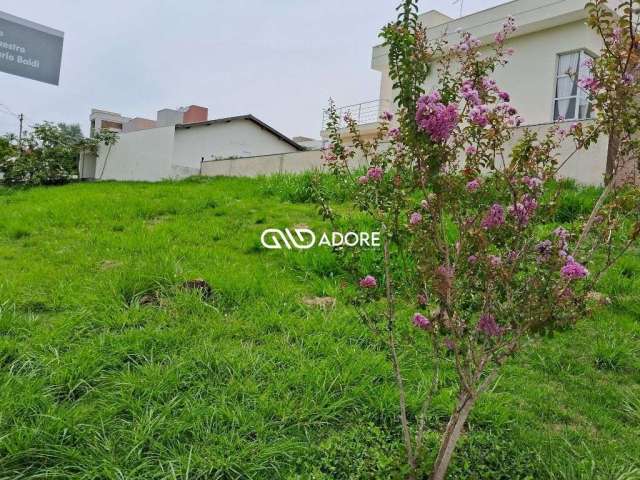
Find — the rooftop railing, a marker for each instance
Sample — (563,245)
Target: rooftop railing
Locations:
(362,113)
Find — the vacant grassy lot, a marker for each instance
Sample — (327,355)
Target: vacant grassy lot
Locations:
(108,369)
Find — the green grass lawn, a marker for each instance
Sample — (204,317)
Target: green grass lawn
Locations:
(96,382)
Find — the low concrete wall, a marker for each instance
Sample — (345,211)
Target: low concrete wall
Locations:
(295,162)
(586,167)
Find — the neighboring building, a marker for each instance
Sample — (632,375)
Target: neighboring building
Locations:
(104,120)
(176,143)
(552,38)
(309,143)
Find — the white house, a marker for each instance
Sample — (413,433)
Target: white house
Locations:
(177,143)
(552,38)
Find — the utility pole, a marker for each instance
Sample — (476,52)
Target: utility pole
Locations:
(21,119)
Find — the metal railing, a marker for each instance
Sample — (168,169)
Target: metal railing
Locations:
(362,113)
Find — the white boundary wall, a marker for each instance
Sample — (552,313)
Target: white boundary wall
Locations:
(295,162)
(586,167)
(142,155)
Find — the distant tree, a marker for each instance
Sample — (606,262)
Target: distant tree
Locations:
(8,146)
(48,154)
(71,132)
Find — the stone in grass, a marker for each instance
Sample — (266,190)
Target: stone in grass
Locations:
(199,285)
(325,303)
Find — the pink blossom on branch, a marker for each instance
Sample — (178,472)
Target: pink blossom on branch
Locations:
(479,115)
(473,185)
(415,218)
(471,150)
(524,209)
(572,270)
(435,118)
(369,282)
(375,173)
(489,326)
(470,93)
(504,96)
(590,84)
(494,218)
(495,261)
(386,116)
(422,322)
(534,183)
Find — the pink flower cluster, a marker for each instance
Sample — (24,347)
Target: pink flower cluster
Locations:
(415,218)
(488,325)
(572,270)
(473,185)
(494,218)
(470,93)
(590,84)
(467,43)
(369,282)
(504,96)
(508,27)
(513,256)
(329,156)
(561,233)
(524,209)
(394,133)
(422,322)
(534,183)
(616,35)
(479,115)
(435,118)
(509,114)
(375,173)
(386,116)
(495,261)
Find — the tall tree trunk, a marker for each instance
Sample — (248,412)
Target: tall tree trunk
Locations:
(452,434)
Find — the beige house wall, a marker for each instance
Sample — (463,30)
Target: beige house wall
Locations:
(547,28)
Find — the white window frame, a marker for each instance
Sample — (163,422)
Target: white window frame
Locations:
(580,92)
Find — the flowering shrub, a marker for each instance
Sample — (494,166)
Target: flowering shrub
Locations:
(488,266)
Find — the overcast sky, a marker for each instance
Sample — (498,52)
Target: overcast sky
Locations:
(278,59)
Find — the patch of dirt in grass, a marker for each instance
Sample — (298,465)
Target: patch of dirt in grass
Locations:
(325,303)
(199,285)
(109,264)
(152,222)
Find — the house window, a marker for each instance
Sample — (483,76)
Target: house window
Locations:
(107,125)
(571,102)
